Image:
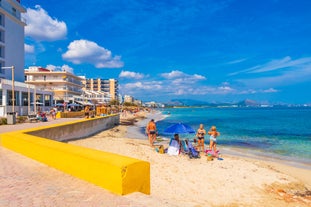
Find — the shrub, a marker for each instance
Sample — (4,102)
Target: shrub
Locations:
(21,119)
(3,121)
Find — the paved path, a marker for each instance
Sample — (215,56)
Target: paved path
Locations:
(15,127)
(27,183)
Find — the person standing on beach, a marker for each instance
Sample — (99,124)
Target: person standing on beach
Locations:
(87,111)
(200,134)
(214,133)
(151,130)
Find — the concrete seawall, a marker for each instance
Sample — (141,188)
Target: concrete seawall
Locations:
(116,173)
(76,130)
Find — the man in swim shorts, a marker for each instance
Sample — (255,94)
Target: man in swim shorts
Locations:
(151,130)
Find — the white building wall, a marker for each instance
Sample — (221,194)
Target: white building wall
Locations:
(14,49)
(12,29)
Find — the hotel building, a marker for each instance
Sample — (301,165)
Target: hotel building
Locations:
(128,99)
(12,39)
(12,65)
(63,84)
(107,86)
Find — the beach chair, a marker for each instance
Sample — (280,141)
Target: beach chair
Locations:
(193,153)
(184,147)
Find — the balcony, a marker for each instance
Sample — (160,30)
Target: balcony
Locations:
(15,11)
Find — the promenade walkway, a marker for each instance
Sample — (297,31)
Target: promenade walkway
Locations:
(25,182)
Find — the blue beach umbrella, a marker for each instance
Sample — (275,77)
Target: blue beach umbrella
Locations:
(179,128)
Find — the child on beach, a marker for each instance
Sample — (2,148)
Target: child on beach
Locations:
(213,134)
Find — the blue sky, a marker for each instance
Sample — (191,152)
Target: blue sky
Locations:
(209,50)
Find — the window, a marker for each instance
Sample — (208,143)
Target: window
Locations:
(0,97)
(13,11)
(17,98)
(1,52)
(1,65)
(47,100)
(1,19)
(24,98)
(9,98)
(39,98)
(1,36)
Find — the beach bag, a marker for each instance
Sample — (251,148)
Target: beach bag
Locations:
(161,149)
(209,157)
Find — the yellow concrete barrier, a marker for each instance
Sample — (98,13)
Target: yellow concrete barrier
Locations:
(118,174)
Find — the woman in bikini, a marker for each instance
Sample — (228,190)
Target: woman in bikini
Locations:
(200,134)
(214,133)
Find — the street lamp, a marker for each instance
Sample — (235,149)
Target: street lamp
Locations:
(13,88)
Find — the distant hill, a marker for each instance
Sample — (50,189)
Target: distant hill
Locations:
(187,102)
(247,102)
(191,102)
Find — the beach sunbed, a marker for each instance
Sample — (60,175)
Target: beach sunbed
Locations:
(193,153)
(184,147)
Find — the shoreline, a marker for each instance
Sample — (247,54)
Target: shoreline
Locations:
(135,131)
(303,168)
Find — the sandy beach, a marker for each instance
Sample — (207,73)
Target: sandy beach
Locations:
(180,181)
(175,180)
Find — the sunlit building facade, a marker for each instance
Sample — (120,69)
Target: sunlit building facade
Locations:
(63,84)
(109,86)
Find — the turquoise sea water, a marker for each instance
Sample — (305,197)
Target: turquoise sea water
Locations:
(283,133)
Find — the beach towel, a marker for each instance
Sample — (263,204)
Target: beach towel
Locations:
(211,152)
(173,149)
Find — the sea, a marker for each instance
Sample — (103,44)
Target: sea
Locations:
(280,133)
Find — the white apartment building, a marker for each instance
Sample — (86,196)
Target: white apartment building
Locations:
(12,56)
(63,84)
(12,39)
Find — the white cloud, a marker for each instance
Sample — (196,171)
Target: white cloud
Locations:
(295,75)
(29,48)
(226,89)
(173,74)
(270,90)
(67,68)
(51,67)
(178,77)
(42,27)
(129,74)
(236,61)
(286,62)
(281,64)
(148,85)
(253,91)
(85,51)
(60,68)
